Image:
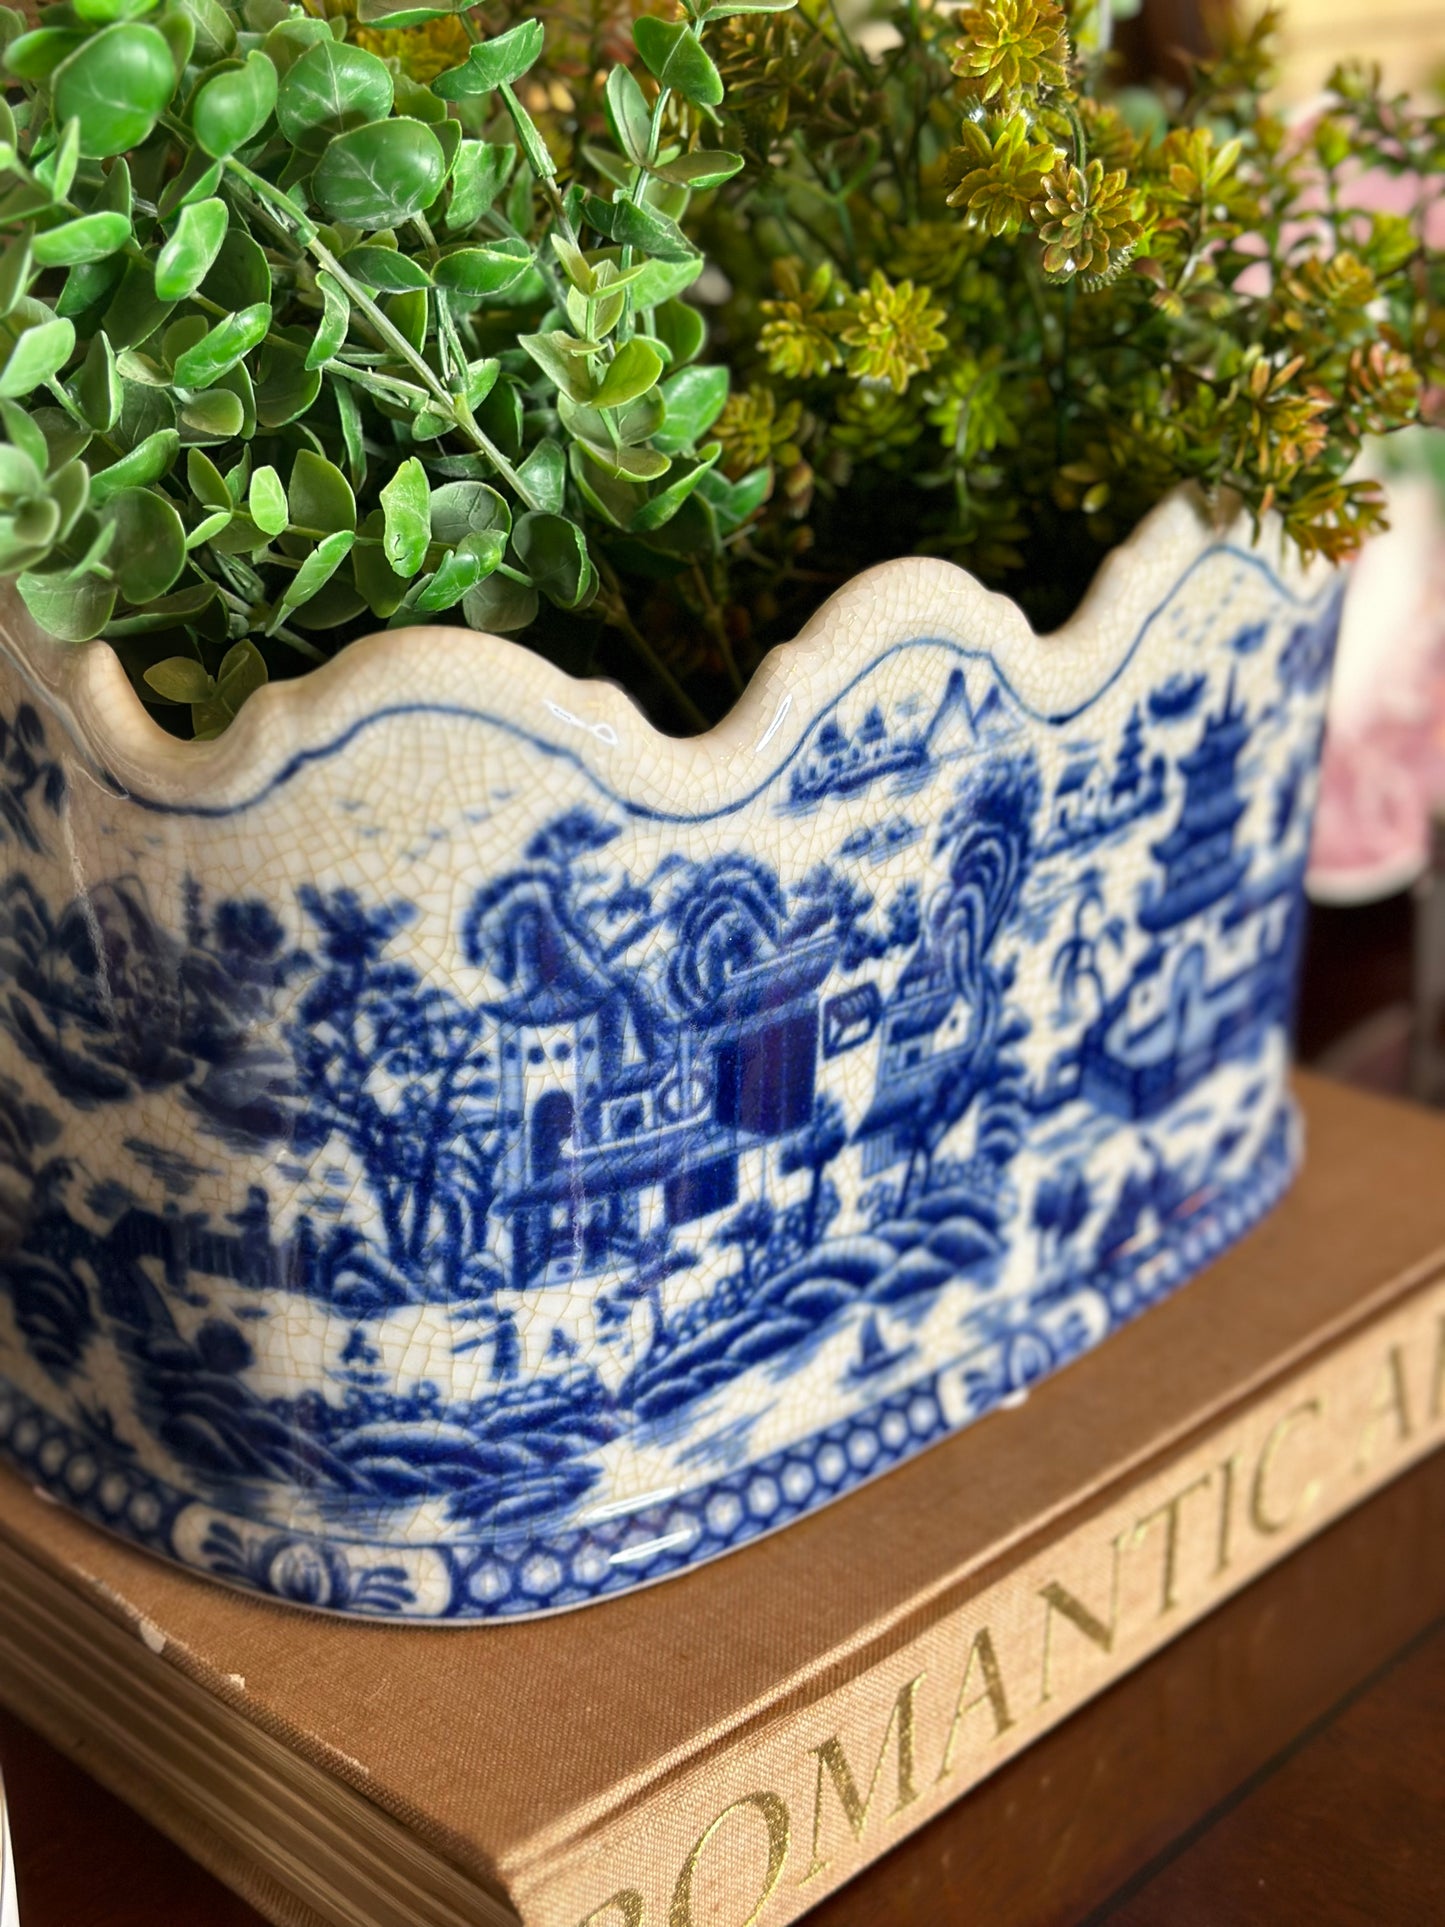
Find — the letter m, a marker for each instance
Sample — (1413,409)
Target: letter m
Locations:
(833,1768)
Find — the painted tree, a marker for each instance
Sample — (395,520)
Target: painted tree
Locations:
(813,1149)
(1061,1204)
(27,776)
(404,1074)
(749,1229)
(987,837)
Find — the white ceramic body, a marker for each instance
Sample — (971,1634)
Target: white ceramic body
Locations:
(463,1153)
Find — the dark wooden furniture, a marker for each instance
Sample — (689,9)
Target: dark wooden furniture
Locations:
(1282,1762)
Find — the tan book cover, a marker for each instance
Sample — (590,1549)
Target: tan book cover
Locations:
(729,1746)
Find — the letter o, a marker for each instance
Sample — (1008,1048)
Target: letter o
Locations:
(775,1817)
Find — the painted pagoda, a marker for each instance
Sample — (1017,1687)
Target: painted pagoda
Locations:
(1211,991)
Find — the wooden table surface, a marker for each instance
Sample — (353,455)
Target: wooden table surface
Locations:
(1282,1763)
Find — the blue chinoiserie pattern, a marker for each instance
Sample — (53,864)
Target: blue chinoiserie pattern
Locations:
(570,1191)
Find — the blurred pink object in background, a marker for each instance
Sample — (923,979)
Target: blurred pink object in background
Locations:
(1384,762)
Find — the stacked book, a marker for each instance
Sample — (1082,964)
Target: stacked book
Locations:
(732,1745)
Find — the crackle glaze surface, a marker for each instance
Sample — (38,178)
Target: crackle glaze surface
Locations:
(462,1154)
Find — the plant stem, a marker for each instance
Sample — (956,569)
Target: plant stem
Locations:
(616,612)
(717,626)
(283,214)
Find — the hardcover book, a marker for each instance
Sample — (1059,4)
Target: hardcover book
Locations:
(730,1746)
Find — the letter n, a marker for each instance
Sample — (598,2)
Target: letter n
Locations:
(1058,1599)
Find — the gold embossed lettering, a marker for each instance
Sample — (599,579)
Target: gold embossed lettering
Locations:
(1228,1473)
(1058,1599)
(834,1761)
(1389,1406)
(1265,1521)
(1169,1512)
(992,1691)
(775,1818)
(623,1909)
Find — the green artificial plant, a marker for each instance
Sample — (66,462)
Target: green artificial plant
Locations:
(632,333)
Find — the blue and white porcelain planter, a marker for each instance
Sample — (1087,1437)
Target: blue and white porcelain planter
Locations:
(464,1154)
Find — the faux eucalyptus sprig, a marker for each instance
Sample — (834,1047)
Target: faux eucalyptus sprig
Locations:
(315,319)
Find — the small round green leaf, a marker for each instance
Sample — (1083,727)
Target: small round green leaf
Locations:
(96,387)
(267,501)
(144,464)
(97,12)
(479,173)
(335,320)
(384,13)
(214,27)
(498,606)
(319,496)
(15,264)
(485,270)
(385,268)
(458,572)
(149,549)
(496,63)
(544,474)
(633,370)
(289,39)
(57,170)
(332,88)
(695,397)
(231,108)
(701,168)
(180,679)
(90,238)
(554,554)
(460,509)
(211,525)
(381,174)
(672,52)
(206,482)
(406,505)
(39,353)
(628,115)
(186,257)
(35,56)
(73,608)
(213,415)
(222,347)
(317,570)
(116,85)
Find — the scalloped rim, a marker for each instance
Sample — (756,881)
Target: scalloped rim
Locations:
(915,598)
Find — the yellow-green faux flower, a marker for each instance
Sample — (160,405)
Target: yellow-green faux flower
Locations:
(1087,221)
(933,251)
(1009,46)
(797,340)
(1384,386)
(998,180)
(1282,428)
(755,431)
(875,424)
(421,52)
(967,406)
(891,333)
